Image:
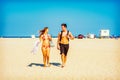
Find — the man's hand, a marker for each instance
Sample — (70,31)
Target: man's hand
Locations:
(58,47)
(58,41)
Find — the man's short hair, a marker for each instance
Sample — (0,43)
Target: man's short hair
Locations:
(65,25)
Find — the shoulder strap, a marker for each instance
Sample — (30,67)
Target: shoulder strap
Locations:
(68,32)
(61,35)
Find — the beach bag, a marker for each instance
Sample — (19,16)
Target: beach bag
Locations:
(52,44)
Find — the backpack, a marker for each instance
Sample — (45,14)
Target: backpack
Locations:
(62,33)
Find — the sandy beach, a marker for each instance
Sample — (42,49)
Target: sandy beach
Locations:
(88,59)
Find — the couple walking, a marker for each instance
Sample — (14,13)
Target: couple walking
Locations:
(62,44)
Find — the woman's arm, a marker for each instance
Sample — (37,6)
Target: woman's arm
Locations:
(40,38)
(50,38)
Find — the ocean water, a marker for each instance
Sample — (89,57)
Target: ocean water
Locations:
(22,37)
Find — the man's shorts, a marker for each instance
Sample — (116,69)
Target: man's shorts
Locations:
(64,49)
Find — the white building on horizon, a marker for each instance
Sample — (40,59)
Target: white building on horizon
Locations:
(104,33)
(91,36)
(33,36)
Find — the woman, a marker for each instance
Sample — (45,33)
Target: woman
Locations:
(45,38)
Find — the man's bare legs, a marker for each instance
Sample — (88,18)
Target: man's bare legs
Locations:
(63,58)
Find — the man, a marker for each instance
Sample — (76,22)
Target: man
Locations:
(63,43)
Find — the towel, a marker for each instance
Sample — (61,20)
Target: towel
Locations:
(35,48)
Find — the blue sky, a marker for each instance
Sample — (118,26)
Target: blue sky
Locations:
(24,18)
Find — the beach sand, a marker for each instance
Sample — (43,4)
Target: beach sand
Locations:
(88,59)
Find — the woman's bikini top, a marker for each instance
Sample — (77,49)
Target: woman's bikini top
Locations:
(45,37)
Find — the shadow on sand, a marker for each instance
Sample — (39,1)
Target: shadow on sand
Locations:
(55,64)
(42,65)
(35,64)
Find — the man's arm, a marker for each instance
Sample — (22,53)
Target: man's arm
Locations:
(58,41)
(71,36)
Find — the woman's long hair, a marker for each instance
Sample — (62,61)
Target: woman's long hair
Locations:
(42,31)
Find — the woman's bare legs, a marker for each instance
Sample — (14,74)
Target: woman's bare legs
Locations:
(44,56)
(48,55)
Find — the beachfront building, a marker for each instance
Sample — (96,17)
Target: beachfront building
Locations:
(32,36)
(91,36)
(104,33)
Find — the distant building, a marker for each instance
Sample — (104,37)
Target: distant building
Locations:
(104,33)
(33,36)
(91,36)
